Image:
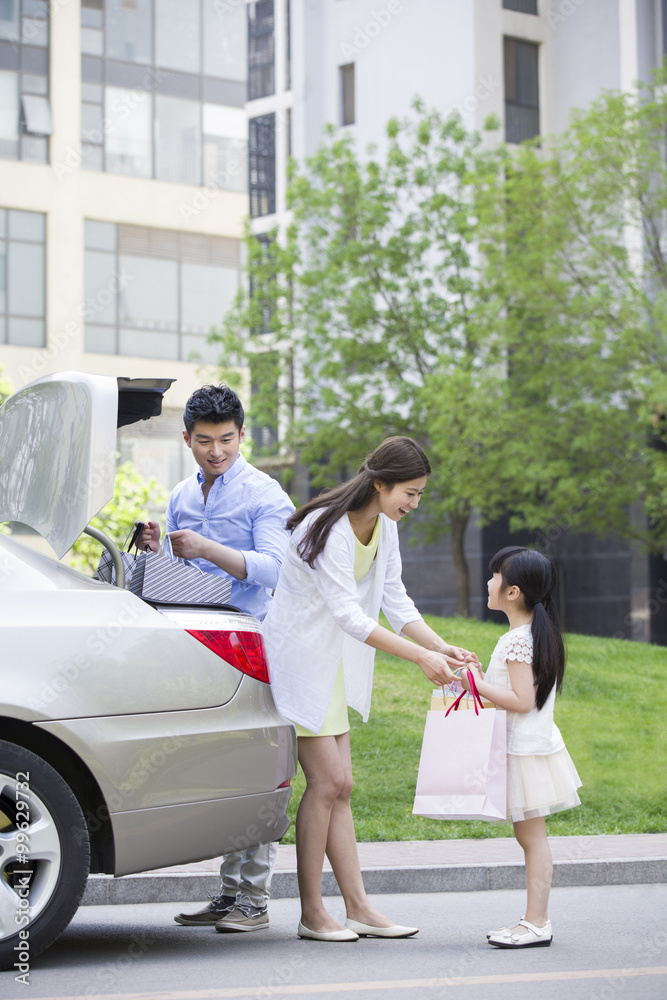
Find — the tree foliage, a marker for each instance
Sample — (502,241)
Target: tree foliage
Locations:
(134,499)
(614,166)
(492,302)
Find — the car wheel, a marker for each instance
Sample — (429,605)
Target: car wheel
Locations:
(44,855)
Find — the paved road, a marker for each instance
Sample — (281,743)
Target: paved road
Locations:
(610,944)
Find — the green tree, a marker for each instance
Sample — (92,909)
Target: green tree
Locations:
(611,166)
(373,295)
(442,293)
(134,499)
(577,444)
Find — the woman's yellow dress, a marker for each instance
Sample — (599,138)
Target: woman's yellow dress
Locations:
(337,722)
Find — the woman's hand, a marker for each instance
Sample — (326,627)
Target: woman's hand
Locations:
(150,536)
(435,666)
(474,659)
(456,655)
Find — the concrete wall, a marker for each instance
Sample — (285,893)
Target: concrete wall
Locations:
(68,195)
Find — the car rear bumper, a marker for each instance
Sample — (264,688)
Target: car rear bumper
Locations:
(156,838)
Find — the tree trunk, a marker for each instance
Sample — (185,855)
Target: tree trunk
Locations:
(459,523)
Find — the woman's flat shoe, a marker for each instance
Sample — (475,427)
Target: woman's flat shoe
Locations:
(367,930)
(344,934)
(535,937)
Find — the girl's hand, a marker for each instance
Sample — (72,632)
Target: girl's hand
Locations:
(435,666)
(464,678)
(456,656)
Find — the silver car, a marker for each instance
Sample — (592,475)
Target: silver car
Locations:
(132,736)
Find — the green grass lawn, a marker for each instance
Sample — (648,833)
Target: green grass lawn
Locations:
(612,714)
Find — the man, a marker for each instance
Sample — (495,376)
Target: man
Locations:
(229,518)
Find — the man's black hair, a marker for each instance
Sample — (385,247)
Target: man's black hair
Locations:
(215,404)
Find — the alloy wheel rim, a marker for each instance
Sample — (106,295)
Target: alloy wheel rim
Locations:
(26,887)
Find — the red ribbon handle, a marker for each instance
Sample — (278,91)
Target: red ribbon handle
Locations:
(473,691)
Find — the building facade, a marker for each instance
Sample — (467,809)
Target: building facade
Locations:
(358,63)
(136,136)
(123,194)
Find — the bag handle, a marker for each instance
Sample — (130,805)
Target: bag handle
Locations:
(473,691)
(133,536)
(167,550)
(136,535)
(170,553)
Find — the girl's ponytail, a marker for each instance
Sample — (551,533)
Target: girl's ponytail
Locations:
(548,648)
(535,576)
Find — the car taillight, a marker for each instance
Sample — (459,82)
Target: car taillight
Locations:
(243,650)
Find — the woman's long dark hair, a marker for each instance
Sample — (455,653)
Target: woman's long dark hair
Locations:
(396,460)
(535,577)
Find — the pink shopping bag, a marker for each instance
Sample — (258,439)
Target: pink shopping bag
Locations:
(463,766)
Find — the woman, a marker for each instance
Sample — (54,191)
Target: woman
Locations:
(342,565)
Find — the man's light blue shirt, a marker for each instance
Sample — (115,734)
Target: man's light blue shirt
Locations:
(246,510)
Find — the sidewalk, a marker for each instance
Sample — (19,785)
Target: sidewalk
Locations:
(416,866)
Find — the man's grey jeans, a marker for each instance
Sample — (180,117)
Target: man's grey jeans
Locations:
(247,874)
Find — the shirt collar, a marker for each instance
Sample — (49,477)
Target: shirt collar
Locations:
(238,466)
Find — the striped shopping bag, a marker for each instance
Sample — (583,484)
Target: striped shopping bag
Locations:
(161,576)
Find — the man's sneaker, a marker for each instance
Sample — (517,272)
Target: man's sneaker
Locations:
(243,917)
(218,907)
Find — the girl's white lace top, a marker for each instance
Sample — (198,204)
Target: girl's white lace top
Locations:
(527,732)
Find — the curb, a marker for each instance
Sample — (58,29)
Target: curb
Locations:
(192,887)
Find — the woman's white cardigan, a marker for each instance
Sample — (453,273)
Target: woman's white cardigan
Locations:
(319,614)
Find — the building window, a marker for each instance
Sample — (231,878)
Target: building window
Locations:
(523,6)
(522,105)
(225,147)
(261,82)
(25,113)
(262,165)
(178,139)
(157,293)
(347,94)
(163,90)
(127,137)
(22,277)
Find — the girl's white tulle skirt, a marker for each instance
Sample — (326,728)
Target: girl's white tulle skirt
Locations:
(539,785)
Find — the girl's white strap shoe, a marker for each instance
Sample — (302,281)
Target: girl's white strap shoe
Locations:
(535,937)
(503,929)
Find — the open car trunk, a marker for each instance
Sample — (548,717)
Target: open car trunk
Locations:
(58,448)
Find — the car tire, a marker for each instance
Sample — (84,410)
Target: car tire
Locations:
(39,896)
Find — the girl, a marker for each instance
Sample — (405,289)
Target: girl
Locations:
(321,633)
(524,674)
